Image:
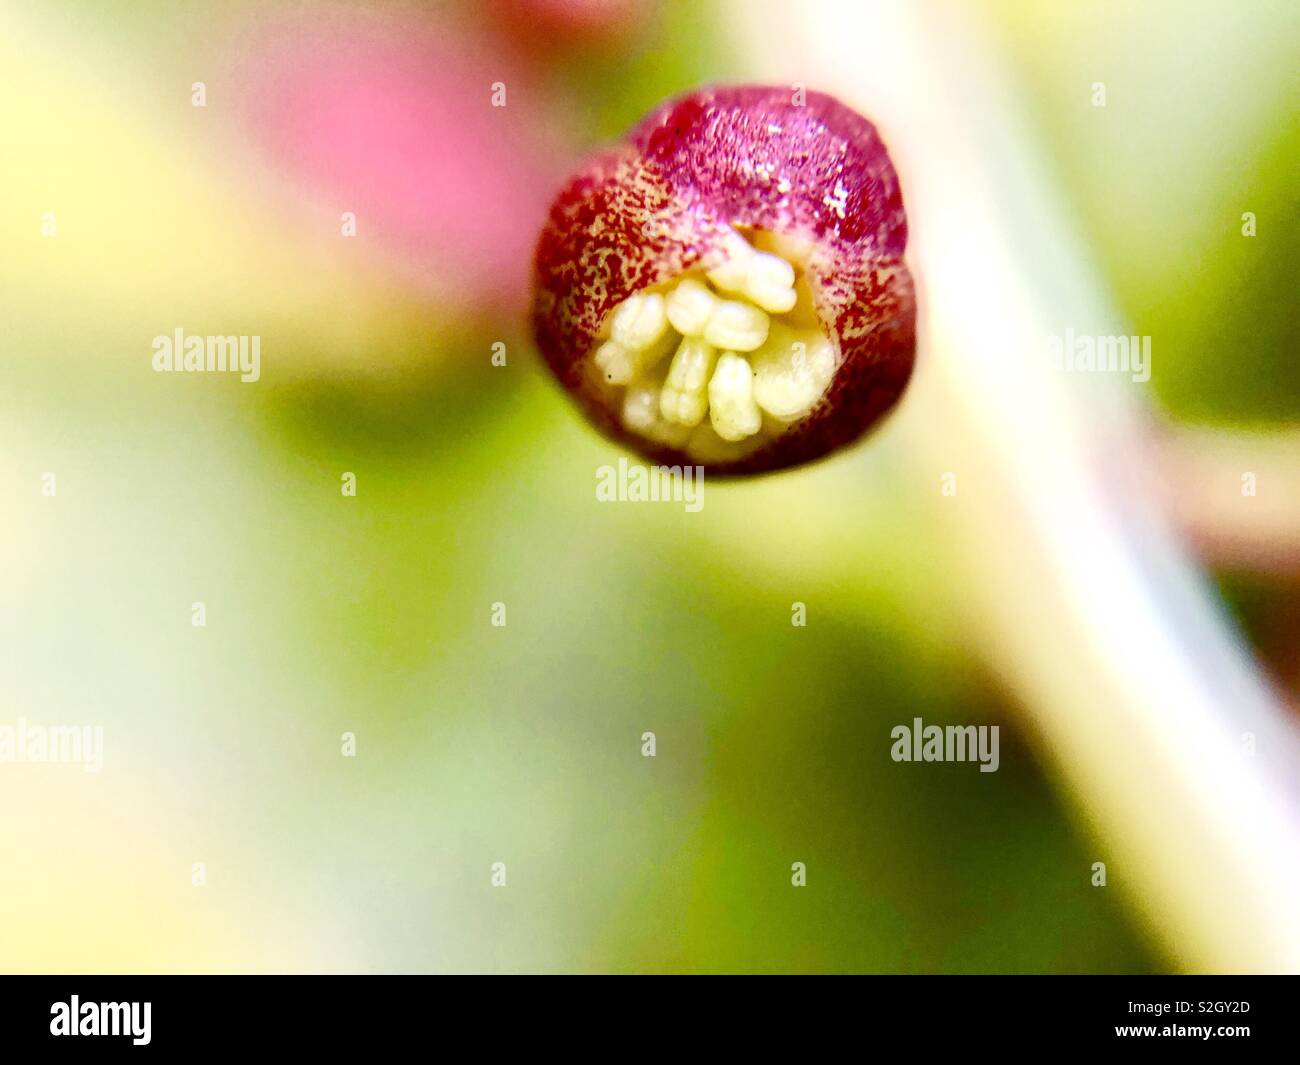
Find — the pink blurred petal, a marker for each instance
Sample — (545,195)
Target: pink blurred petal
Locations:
(394,121)
(561,20)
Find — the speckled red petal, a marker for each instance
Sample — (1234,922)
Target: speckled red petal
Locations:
(812,174)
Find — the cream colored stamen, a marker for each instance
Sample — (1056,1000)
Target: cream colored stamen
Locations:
(792,372)
(639,321)
(690,306)
(737,326)
(732,409)
(753,373)
(684,399)
(639,338)
(766,279)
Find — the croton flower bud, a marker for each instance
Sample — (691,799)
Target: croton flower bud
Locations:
(727,288)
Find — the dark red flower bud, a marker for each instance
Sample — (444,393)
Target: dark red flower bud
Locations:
(727,287)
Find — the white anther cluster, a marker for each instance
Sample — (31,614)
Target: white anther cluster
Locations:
(730,361)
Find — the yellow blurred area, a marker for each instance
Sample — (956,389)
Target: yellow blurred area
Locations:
(163,219)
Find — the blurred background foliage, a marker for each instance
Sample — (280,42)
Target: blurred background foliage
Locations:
(476,484)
